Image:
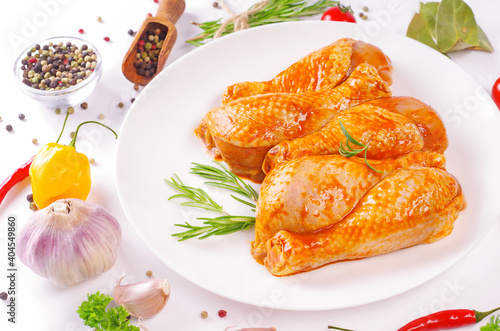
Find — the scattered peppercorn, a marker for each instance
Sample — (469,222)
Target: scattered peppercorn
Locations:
(156,1)
(136,87)
(91,160)
(107,39)
(150,15)
(21,117)
(131,32)
(3,296)
(33,206)
(99,19)
(71,110)
(72,134)
(204,314)
(58,111)
(56,66)
(120,104)
(216,4)
(101,116)
(81,30)
(363,16)
(132,100)
(34,141)
(365,8)
(149,273)
(84,105)
(9,128)
(29,197)
(222,313)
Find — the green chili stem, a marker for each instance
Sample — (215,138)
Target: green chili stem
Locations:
(73,141)
(64,125)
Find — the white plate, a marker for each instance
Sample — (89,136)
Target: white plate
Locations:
(157,141)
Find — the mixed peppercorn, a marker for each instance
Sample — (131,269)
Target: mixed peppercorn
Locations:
(148,49)
(58,66)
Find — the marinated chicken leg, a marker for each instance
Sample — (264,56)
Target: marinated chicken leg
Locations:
(320,70)
(241,132)
(392,126)
(311,193)
(407,208)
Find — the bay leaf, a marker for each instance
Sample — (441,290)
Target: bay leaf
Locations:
(484,43)
(418,30)
(456,26)
(429,12)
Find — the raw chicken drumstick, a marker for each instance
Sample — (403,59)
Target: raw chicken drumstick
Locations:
(242,131)
(320,70)
(392,127)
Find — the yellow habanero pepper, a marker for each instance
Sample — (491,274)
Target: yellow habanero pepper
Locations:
(60,172)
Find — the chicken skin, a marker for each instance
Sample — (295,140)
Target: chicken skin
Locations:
(392,127)
(321,70)
(242,131)
(407,208)
(311,193)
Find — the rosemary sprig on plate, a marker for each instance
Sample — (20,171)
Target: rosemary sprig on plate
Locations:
(349,151)
(220,177)
(274,11)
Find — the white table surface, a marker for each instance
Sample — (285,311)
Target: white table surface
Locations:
(471,283)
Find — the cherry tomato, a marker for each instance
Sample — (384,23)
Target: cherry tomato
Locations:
(339,14)
(495,93)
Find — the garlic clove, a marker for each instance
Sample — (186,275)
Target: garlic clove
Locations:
(142,299)
(69,241)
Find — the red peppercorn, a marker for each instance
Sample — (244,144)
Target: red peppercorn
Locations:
(107,39)
(150,15)
(141,42)
(156,1)
(81,30)
(222,313)
(32,60)
(153,47)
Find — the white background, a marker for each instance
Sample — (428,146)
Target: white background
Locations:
(472,283)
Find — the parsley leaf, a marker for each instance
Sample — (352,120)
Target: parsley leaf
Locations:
(94,314)
(493,325)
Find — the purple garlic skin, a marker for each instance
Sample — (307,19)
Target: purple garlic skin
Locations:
(69,241)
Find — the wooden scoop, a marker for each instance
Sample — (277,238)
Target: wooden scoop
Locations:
(168,13)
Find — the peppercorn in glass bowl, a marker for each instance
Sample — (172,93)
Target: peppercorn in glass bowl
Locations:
(60,71)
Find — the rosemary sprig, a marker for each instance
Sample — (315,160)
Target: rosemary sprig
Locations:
(215,226)
(350,151)
(220,177)
(274,12)
(223,178)
(196,196)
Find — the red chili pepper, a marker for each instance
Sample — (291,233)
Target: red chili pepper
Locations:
(441,320)
(446,319)
(15,178)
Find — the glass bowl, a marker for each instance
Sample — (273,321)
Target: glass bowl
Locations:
(68,96)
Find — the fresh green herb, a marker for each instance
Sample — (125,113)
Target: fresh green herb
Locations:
(448,26)
(220,177)
(337,328)
(350,151)
(493,324)
(273,11)
(94,314)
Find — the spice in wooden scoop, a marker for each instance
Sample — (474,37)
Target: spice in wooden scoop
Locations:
(148,49)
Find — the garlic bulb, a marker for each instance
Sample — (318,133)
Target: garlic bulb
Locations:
(69,241)
(143,299)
